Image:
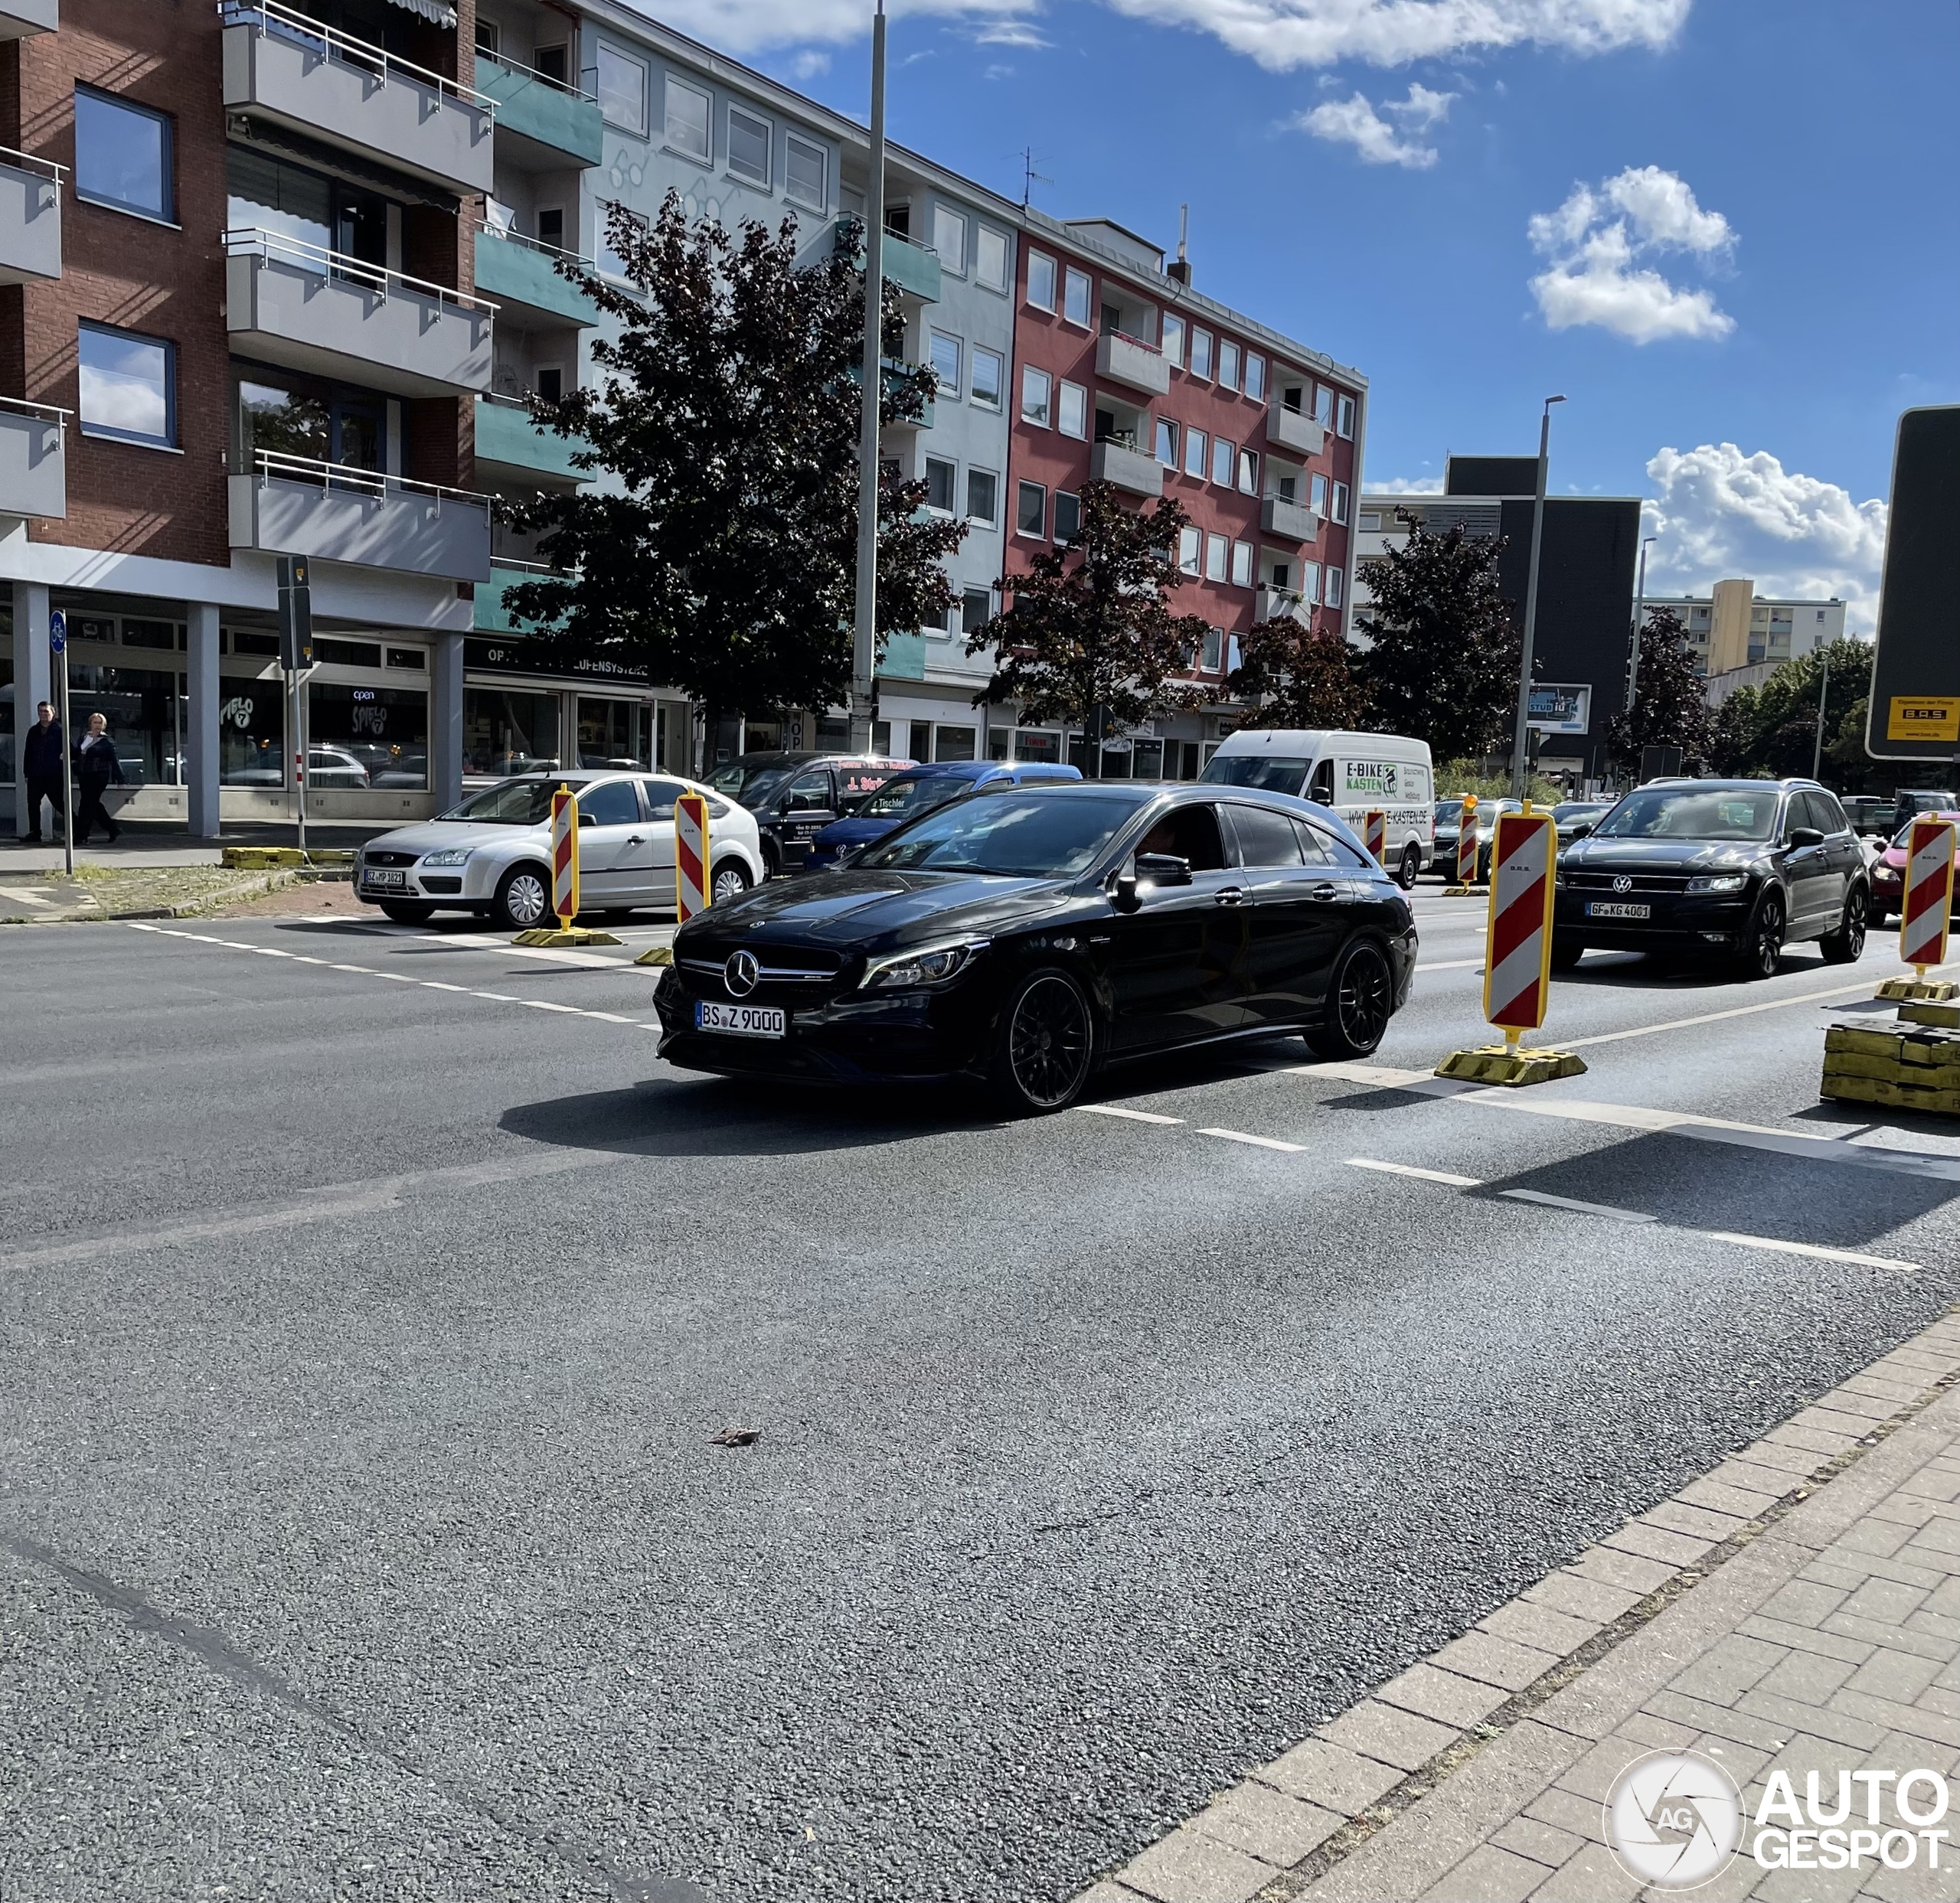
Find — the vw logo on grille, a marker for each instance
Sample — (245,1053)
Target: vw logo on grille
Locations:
(741,974)
(1622,883)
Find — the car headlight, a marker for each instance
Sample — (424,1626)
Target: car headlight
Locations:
(927,964)
(452,856)
(1718,881)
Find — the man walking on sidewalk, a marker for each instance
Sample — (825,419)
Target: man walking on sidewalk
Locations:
(41,754)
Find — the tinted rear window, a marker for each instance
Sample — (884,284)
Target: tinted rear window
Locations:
(1012,835)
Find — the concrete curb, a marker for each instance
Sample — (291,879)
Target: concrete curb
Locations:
(256,885)
(1531,1688)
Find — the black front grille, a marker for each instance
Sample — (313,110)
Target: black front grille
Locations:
(440,885)
(1639,881)
(372,858)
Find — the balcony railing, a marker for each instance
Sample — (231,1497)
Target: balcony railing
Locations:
(30,217)
(1127,360)
(1291,521)
(541,122)
(522,273)
(297,303)
(287,67)
(913,268)
(297,505)
(33,458)
(1127,466)
(1277,604)
(507,436)
(1293,429)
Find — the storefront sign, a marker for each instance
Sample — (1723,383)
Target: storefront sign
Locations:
(527,659)
(1561,708)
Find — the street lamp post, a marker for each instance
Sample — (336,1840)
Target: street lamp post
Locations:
(1639,622)
(1823,688)
(865,638)
(1520,759)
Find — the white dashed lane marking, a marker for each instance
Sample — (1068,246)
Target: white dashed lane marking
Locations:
(1409,1169)
(1134,1116)
(1262,1143)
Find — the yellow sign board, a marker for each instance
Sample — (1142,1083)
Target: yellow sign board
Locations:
(1922,716)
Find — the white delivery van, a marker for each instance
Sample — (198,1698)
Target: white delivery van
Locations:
(1351,772)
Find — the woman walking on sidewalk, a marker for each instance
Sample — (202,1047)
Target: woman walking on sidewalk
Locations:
(96,769)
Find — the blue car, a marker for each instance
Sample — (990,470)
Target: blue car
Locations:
(918,789)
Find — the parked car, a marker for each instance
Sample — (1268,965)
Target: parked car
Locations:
(329,769)
(1351,772)
(794,796)
(1888,871)
(1449,829)
(1030,936)
(1871,814)
(492,854)
(1730,869)
(918,790)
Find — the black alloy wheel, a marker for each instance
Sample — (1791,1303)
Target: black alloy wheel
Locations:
(1359,1000)
(1046,1043)
(1846,945)
(1411,868)
(1762,944)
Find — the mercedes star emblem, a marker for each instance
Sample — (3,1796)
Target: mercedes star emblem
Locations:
(740,974)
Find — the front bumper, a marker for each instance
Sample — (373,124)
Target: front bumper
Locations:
(465,887)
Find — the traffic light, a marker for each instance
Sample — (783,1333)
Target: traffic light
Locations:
(296,613)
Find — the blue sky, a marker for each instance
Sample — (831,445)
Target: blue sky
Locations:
(1729,230)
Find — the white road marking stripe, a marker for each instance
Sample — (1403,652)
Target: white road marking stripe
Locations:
(436,985)
(361,968)
(612,1017)
(545,1004)
(1580,1208)
(1811,1248)
(1135,1116)
(497,998)
(1453,964)
(590,959)
(1409,1169)
(1263,1143)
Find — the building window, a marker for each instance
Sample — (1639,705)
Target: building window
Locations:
(1242,564)
(1248,472)
(1340,502)
(122,156)
(949,239)
(1222,454)
(1371,519)
(1195,453)
(610,262)
(1174,339)
(976,609)
(622,92)
(1167,442)
(940,477)
(1214,649)
(129,386)
(1323,406)
(748,146)
(1200,353)
(1036,391)
(1068,516)
(945,357)
(1317,496)
(1075,298)
(1255,376)
(990,258)
(1216,551)
(1072,413)
(1030,506)
(1188,540)
(1228,364)
(989,371)
(1310,581)
(688,109)
(806,174)
(1345,414)
(982,494)
(1041,281)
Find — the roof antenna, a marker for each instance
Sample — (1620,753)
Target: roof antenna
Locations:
(1030,177)
(1181,268)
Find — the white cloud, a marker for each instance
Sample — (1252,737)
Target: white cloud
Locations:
(808,63)
(1355,121)
(1720,514)
(1596,244)
(1405,485)
(1012,33)
(1280,34)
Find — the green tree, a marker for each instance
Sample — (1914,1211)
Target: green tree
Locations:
(1786,713)
(1444,662)
(721,558)
(1299,676)
(1732,733)
(1090,624)
(1670,702)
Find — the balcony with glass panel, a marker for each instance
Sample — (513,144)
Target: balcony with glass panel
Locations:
(512,450)
(34,462)
(542,124)
(914,268)
(30,218)
(297,505)
(283,66)
(304,307)
(521,275)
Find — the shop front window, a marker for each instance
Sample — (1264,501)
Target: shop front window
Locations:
(146,716)
(504,732)
(251,732)
(614,733)
(360,737)
(1037,743)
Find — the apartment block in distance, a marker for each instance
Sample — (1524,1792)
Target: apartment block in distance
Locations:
(1739,637)
(235,242)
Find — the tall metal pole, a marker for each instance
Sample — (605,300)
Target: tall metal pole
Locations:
(864,642)
(1519,758)
(67,770)
(1823,688)
(1639,622)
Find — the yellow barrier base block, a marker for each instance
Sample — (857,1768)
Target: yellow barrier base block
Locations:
(1502,1064)
(1931,991)
(1466,892)
(1929,1011)
(271,858)
(553,939)
(656,955)
(1916,1067)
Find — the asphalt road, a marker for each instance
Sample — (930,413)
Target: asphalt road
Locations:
(365,1324)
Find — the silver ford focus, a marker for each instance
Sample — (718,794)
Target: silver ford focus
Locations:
(492,854)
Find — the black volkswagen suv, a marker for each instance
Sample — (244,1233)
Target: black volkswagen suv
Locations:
(1729,869)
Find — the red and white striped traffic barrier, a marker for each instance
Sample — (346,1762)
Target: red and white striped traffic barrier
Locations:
(1466,843)
(690,856)
(1374,834)
(1926,910)
(564,857)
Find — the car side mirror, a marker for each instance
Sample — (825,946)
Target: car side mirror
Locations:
(1162,869)
(1803,836)
(1122,892)
(1579,831)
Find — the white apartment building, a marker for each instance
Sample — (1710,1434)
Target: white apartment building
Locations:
(1733,627)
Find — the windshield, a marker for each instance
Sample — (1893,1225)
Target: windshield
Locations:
(1270,773)
(1686,814)
(906,799)
(1449,809)
(749,786)
(515,803)
(1010,835)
